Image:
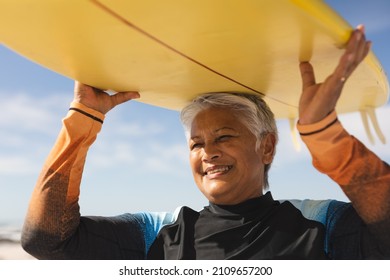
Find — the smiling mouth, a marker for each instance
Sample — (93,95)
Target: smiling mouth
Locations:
(217,169)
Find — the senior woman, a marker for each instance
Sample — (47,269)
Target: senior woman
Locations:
(232,139)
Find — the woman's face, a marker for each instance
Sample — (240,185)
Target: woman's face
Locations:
(226,165)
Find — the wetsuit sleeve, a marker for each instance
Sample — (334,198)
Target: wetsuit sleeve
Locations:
(362,175)
(53,228)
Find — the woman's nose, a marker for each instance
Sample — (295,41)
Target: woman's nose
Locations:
(210,152)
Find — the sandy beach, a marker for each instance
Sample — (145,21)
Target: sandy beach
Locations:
(10,248)
(13,251)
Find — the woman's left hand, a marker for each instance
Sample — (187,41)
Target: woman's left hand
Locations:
(319,99)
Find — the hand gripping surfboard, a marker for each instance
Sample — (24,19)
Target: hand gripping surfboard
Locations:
(173,50)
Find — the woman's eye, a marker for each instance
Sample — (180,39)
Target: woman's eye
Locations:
(223,138)
(195,146)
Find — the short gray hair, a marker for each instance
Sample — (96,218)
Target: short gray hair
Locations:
(252,109)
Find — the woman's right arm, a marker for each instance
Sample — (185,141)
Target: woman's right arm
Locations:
(53,228)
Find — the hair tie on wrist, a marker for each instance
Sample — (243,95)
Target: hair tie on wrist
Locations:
(86,114)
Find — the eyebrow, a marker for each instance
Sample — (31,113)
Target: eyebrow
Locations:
(224,128)
(217,130)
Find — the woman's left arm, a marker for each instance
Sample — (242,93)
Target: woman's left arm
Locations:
(362,175)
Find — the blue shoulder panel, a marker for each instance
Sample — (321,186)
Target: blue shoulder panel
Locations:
(316,210)
(327,212)
(152,222)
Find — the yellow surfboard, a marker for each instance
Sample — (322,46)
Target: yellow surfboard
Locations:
(173,50)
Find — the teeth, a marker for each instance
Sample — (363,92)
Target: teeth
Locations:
(217,170)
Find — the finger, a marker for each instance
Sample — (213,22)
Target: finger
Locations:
(359,46)
(367,49)
(356,50)
(83,93)
(351,54)
(307,74)
(77,85)
(80,87)
(364,46)
(122,97)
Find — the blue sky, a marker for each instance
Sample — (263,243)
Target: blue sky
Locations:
(139,161)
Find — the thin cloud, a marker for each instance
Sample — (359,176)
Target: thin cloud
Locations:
(17,165)
(11,140)
(167,158)
(142,156)
(111,155)
(28,125)
(130,130)
(26,113)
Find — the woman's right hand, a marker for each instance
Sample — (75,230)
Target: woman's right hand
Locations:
(98,99)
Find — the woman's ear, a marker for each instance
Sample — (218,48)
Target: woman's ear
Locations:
(268,148)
